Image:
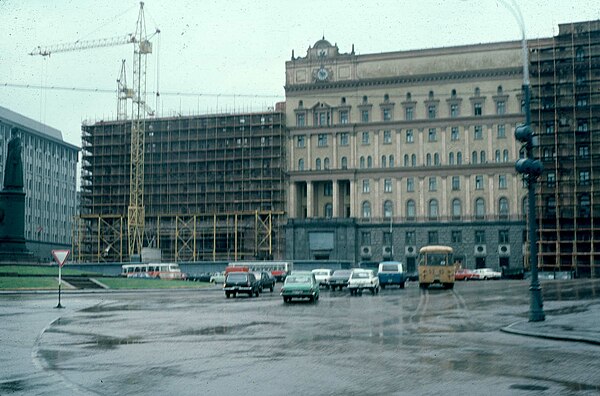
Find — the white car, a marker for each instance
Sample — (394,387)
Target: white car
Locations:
(322,276)
(487,273)
(361,279)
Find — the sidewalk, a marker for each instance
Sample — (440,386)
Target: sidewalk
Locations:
(582,325)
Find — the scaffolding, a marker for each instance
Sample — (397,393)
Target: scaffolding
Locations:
(565,111)
(214,188)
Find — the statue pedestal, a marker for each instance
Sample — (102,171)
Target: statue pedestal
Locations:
(12,227)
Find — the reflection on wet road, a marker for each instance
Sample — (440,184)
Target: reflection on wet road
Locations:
(408,341)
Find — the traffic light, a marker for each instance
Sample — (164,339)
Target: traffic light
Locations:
(527,166)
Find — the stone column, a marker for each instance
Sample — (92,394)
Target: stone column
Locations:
(336,199)
(309,200)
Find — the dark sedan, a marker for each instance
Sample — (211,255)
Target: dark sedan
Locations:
(339,279)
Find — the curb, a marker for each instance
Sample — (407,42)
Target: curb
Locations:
(511,330)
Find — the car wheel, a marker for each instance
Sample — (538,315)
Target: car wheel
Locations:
(251,294)
(227,295)
(311,299)
(234,295)
(257,294)
(383,286)
(271,288)
(360,292)
(402,285)
(373,291)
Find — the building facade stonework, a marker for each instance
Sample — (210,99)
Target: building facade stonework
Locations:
(393,151)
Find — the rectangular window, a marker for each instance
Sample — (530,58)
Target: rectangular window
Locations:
(500,107)
(584,178)
(344,139)
(387,137)
(503,236)
(410,238)
(477,109)
(387,114)
(300,120)
(432,184)
(432,135)
(478,182)
(583,151)
(502,183)
(366,186)
(478,132)
(387,185)
(431,112)
(551,180)
(365,138)
(322,118)
(410,184)
(322,140)
(550,128)
(479,236)
(364,115)
(328,189)
(501,131)
(300,141)
(456,236)
(343,116)
(365,238)
(454,110)
(455,183)
(387,238)
(432,237)
(454,134)
(409,113)
(410,138)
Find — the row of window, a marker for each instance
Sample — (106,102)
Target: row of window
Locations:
(409,161)
(409,136)
(432,184)
(410,237)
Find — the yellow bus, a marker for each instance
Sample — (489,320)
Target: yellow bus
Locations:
(436,266)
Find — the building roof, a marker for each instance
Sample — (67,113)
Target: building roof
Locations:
(28,124)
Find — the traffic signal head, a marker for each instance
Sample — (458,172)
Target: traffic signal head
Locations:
(523,133)
(531,167)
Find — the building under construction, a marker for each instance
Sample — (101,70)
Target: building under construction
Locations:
(566,111)
(213,188)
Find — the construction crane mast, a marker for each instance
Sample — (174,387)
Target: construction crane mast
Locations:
(142,47)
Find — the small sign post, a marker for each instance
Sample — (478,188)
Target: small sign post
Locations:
(60,256)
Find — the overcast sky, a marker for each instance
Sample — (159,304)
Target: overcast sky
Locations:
(229,55)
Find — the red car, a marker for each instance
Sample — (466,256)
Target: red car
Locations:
(465,274)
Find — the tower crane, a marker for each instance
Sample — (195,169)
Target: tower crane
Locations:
(141,48)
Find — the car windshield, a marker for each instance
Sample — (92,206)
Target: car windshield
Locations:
(297,279)
(321,272)
(389,268)
(361,275)
(237,277)
(342,273)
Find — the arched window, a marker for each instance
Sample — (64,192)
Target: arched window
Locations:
(505,156)
(366,209)
(433,209)
(388,209)
(362,162)
(301,164)
(430,94)
(408,96)
(326,163)
(482,158)
(497,156)
(428,159)
(328,210)
(474,157)
(413,160)
(411,209)
(386,98)
(503,209)
(369,162)
(499,90)
(453,93)
(383,161)
(391,161)
(436,159)
(451,158)
(406,163)
(344,163)
(318,164)
(459,158)
(477,91)
(479,208)
(456,209)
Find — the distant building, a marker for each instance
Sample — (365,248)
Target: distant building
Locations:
(50,179)
(565,78)
(390,152)
(213,188)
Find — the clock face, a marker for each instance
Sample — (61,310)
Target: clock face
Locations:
(322,74)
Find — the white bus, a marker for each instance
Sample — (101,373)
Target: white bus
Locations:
(152,270)
(279,269)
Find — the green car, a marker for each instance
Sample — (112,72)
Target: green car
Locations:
(300,285)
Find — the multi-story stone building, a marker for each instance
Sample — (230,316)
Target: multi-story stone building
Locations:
(566,114)
(49,178)
(393,151)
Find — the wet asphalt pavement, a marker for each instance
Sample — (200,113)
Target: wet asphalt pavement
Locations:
(198,342)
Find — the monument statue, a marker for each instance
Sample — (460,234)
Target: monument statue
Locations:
(13,171)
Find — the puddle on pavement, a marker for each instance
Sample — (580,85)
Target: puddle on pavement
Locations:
(112,308)
(221,330)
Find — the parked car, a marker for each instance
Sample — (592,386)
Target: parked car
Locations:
(488,273)
(361,279)
(300,285)
(465,274)
(241,282)
(339,279)
(322,275)
(391,273)
(266,280)
(217,277)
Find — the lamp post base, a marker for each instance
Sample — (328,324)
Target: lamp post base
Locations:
(536,311)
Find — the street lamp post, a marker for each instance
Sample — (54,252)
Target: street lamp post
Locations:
(531,169)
